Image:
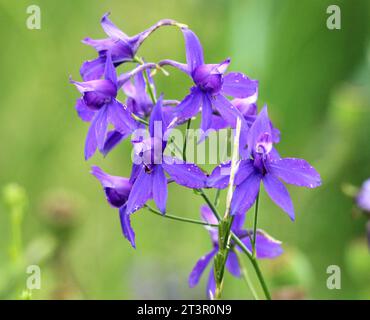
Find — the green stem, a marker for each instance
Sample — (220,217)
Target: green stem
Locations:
(217,198)
(255,224)
(186,139)
(254,262)
(148,84)
(173,217)
(246,275)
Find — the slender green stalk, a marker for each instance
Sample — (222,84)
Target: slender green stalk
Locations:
(173,217)
(216,202)
(254,262)
(186,139)
(246,275)
(255,224)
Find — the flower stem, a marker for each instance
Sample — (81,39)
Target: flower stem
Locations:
(173,217)
(255,265)
(186,140)
(255,224)
(246,275)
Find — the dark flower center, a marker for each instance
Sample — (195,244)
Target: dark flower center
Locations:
(208,79)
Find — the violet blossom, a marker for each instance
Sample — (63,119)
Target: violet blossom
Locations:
(121,47)
(211,86)
(266,248)
(265,165)
(100,107)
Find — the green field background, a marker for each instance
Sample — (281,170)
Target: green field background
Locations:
(315,81)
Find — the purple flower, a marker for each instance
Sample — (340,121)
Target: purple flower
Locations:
(138,100)
(264,165)
(100,107)
(266,247)
(150,179)
(363,197)
(211,86)
(121,47)
(117,191)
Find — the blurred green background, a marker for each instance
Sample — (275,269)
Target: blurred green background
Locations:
(315,81)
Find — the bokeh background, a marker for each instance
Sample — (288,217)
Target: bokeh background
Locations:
(315,81)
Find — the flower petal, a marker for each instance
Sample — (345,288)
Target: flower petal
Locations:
(113,139)
(266,246)
(199,267)
(238,85)
(188,107)
(220,176)
(295,171)
(194,50)
(84,112)
(208,216)
(141,192)
(127,230)
(93,69)
(101,126)
(91,142)
(245,194)
(206,113)
(232,264)
(227,111)
(160,188)
(121,118)
(110,71)
(111,29)
(279,194)
(185,174)
(260,134)
(211,284)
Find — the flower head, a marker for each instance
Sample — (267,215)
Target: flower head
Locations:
(264,165)
(363,197)
(121,47)
(150,178)
(266,247)
(211,86)
(117,191)
(100,107)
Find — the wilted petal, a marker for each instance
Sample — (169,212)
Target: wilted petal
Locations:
(159,188)
(238,85)
(245,194)
(141,192)
(199,267)
(186,174)
(295,171)
(266,246)
(194,50)
(232,264)
(279,194)
(208,216)
(127,230)
(84,112)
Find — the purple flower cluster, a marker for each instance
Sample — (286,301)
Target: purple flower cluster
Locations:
(221,98)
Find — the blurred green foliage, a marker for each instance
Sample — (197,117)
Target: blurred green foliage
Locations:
(315,81)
